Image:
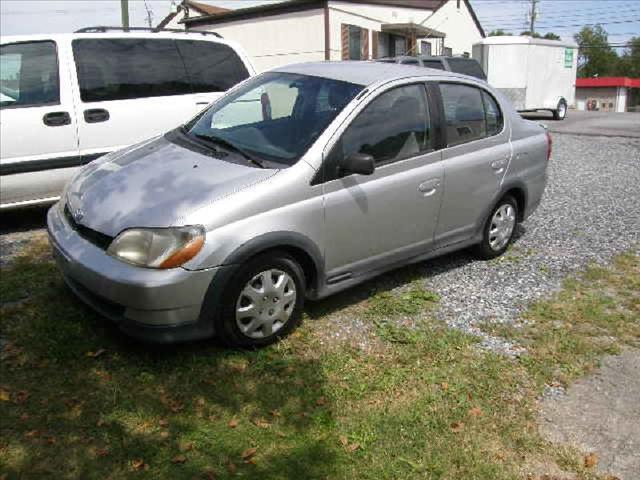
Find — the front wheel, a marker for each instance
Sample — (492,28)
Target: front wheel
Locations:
(561,110)
(263,301)
(499,229)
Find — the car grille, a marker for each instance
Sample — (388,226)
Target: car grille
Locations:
(98,239)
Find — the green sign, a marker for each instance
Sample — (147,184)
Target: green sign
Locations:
(568,57)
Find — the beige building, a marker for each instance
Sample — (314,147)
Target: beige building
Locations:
(311,30)
(609,94)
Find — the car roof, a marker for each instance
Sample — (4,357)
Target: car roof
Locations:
(363,72)
(58,37)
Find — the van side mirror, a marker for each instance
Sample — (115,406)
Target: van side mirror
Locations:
(361,163)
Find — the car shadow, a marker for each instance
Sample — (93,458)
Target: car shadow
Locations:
(23,219)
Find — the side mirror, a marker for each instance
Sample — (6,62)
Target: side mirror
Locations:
(358,163)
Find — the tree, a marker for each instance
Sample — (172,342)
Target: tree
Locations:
(548,36)
(497,33)
(595,55)
(629,65)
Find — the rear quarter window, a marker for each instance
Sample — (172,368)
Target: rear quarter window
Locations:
(437,64)
(466,67)
(211,66)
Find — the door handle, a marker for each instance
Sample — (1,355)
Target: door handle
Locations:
(499,165)
(56,119)
(96,115)
(202,103)
(429,187)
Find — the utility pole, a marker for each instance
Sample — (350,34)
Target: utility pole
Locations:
(124,8)
(533,15)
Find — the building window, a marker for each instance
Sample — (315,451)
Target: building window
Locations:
(355,44)
(425,48)
(447,51)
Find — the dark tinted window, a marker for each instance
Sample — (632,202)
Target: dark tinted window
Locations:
(410,61)
(118,69)
(29,74)
(464,113)
(392,127)
(212,67)
(437,64)
(493,114)
(466,67)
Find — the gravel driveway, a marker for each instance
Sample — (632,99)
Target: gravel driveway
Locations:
(590,212)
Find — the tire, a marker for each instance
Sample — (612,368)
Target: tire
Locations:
(255,309)
(489,248)
(561,110)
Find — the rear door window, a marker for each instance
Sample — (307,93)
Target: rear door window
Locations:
(211,66)
(29,74)
(495,122)
(120,69)
(464,113)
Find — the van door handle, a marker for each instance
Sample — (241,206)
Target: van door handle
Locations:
(429,187)
(56,119)
(96,115)
(202,103)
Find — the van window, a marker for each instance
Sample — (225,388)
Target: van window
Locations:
(464,113)
(437,64)
(392,127)
(119,69)
(29,74)
(211,67)
(466,66)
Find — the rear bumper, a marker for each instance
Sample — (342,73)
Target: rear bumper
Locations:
(153,305)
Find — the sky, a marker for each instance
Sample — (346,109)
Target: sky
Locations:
(621,18)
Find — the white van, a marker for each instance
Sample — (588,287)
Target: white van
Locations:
(67,99)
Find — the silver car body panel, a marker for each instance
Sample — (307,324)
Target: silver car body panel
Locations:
(350,228)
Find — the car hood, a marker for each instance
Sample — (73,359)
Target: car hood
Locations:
(154,184)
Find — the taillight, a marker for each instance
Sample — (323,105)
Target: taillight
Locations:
(549,146)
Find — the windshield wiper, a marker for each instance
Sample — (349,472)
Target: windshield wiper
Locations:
(227,144)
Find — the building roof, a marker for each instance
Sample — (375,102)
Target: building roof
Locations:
(608,82)
(203,8)
(363,72)
(289,6)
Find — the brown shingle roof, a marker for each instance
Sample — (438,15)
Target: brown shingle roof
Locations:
(206,8)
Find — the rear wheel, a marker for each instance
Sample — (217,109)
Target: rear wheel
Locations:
(561,110)
(263,301)
(499,229)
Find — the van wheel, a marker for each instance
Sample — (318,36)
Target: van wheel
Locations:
(263,301)
(561,110)
(499,228)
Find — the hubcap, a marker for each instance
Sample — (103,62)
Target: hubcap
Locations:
(265,303)
(502,225)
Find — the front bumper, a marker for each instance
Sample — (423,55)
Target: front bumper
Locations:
(154,305)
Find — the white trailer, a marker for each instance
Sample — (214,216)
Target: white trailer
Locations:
(535,74)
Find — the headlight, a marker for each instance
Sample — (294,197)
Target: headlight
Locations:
(158,247)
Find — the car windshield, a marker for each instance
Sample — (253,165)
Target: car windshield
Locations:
(274,116)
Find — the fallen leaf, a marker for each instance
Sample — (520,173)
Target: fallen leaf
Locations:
(252,461)
(590,460)
(51,440)
(344,440)
(281,434)
(445,386)
(248,453)
(275,413)
(209,475)
(231,467)
(178,459)
(138,464)
(163,423)
(32,434)
(233,423)
(164,435)
(261,423)
(186,447)
(321,401)
(457,427)
(200,402)
(24,416)
(4,396)
(96,354)
(353,447)
(476,412)
(102,452)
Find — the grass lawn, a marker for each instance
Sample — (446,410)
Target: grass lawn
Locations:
(80,400)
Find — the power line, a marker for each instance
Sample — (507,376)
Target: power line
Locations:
(546,27)
(561,12)
(616,17)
